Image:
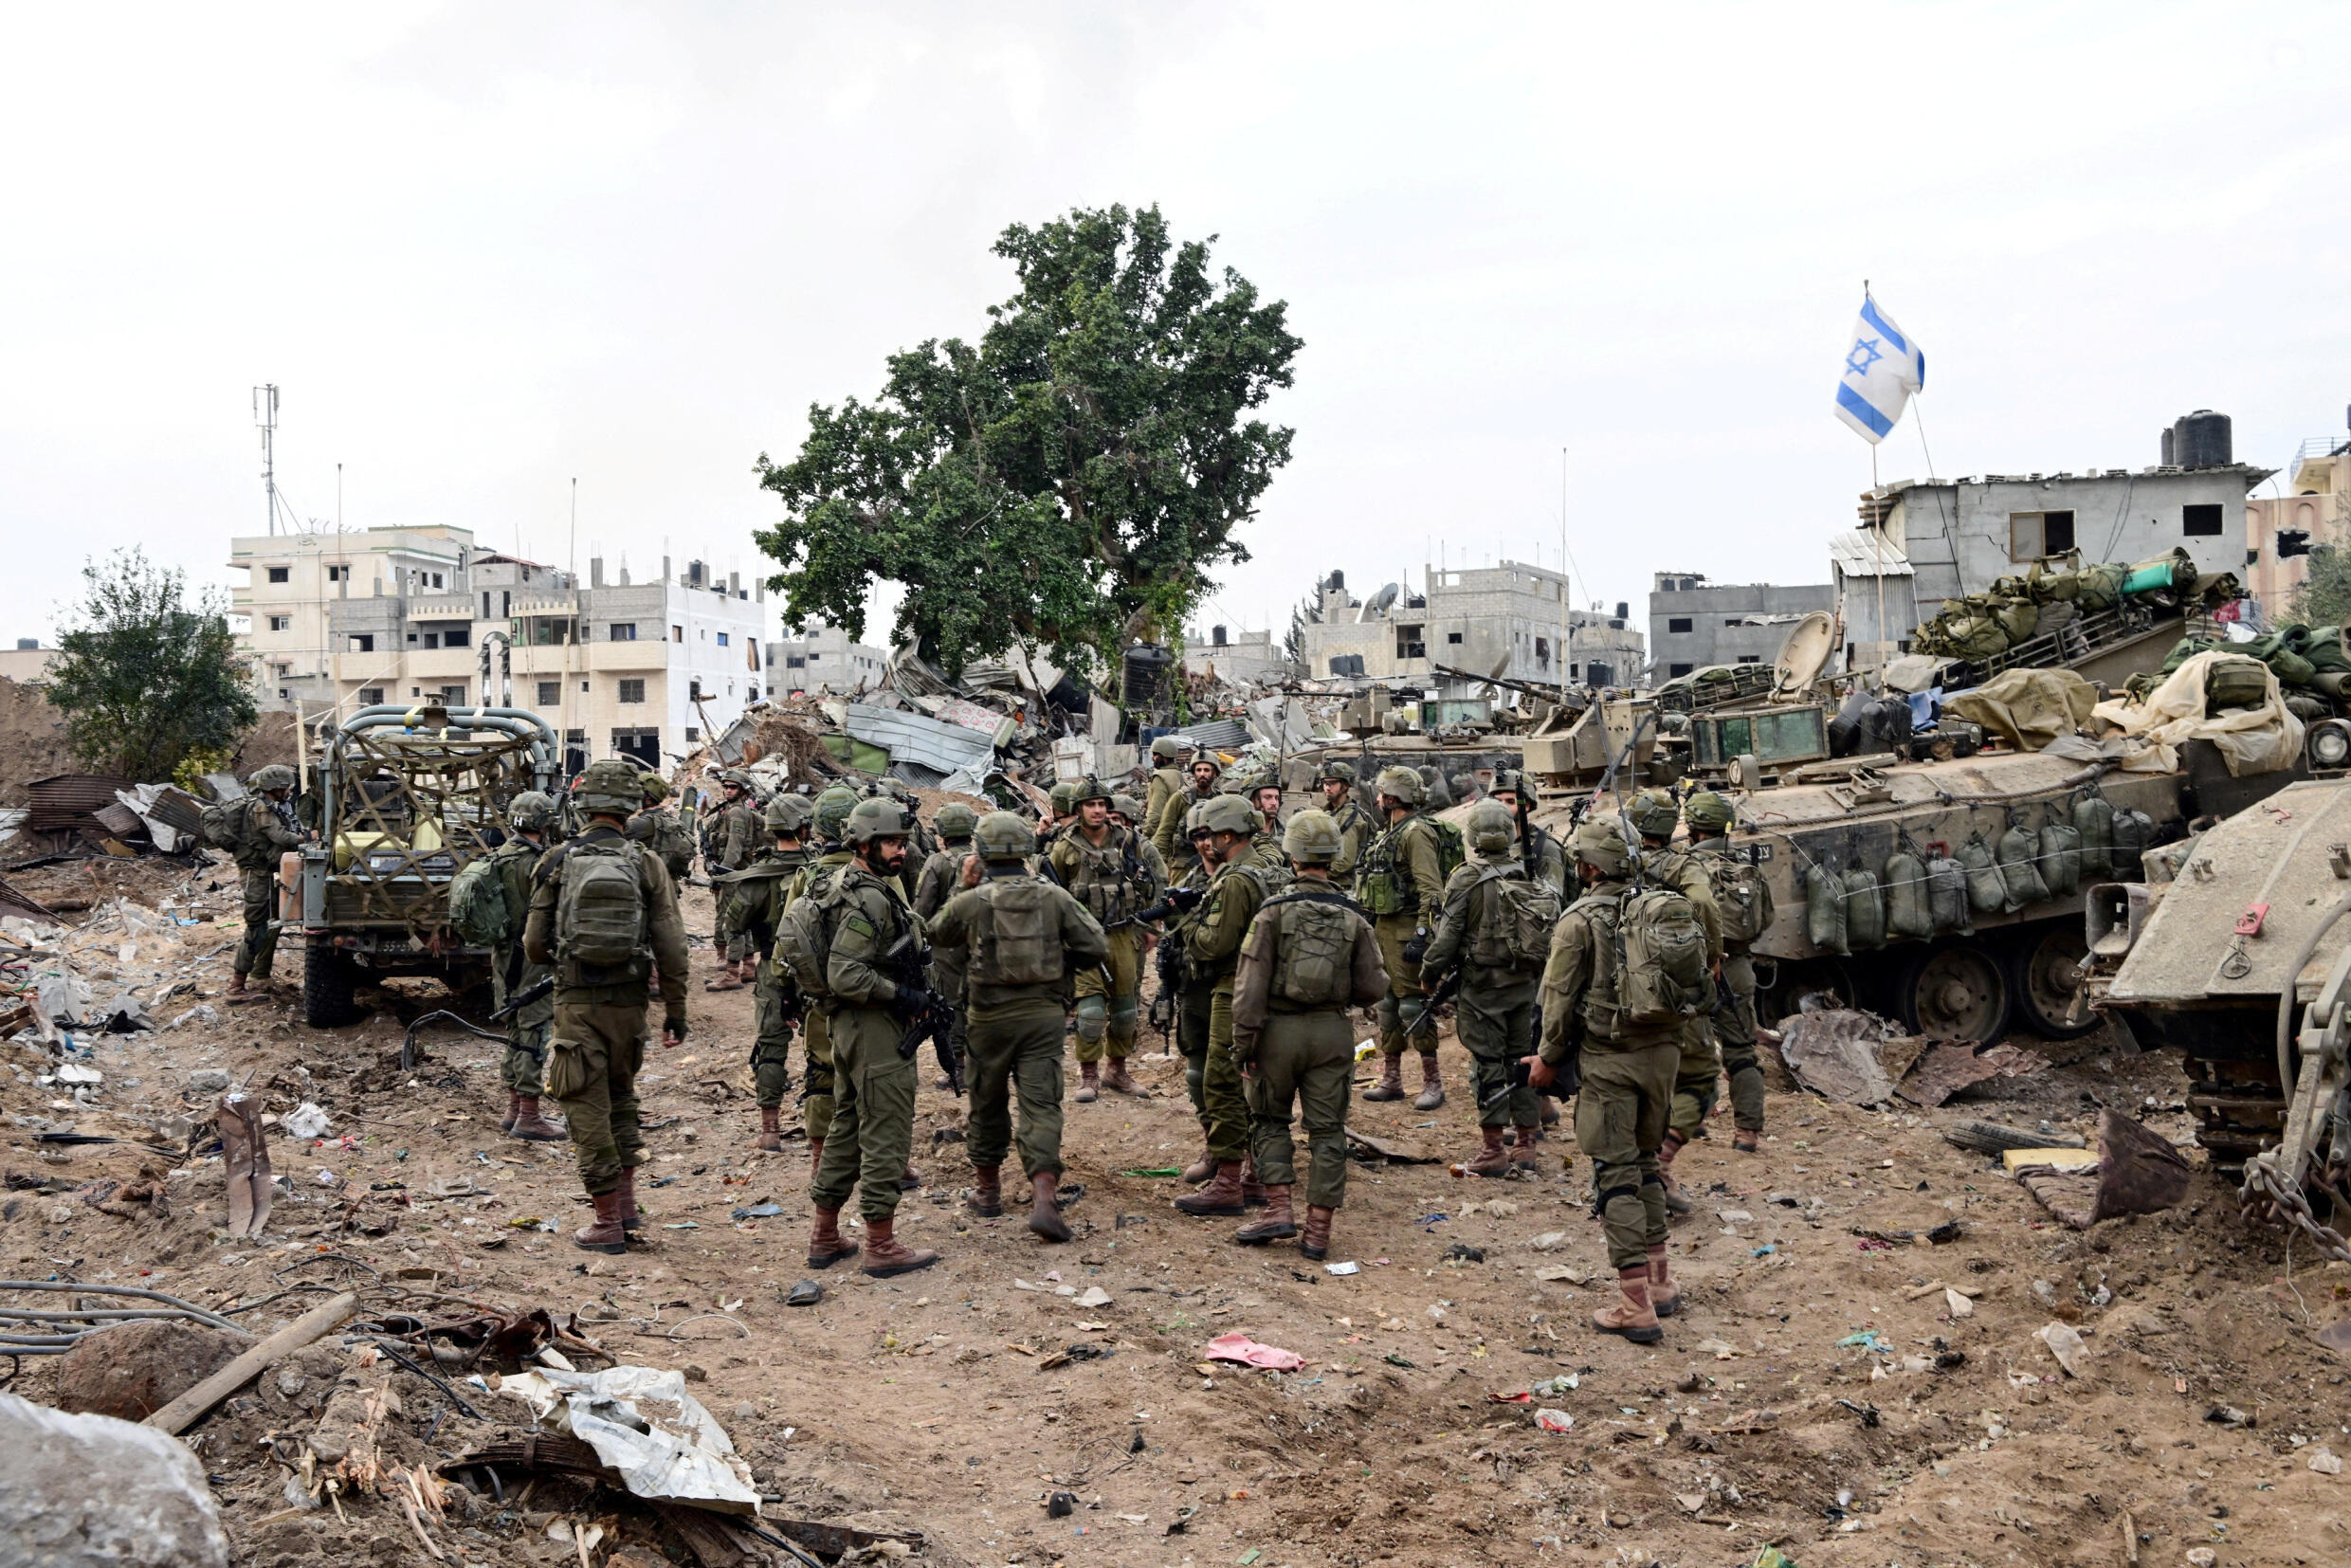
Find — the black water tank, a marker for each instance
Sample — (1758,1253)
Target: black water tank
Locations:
(2201,440)
(1336,578)
(1216,635)
(1144,671)
(1623,611)
(1600,675)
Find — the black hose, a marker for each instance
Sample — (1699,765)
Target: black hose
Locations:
(120,1290)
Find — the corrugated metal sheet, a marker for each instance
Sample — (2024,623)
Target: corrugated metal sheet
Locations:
(1225,735)
(915,738)
(65,801)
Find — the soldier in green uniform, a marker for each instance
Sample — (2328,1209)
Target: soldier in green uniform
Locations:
(1060,812)
(1191,999)
(755,898)
(941,878)
(1212,953)
(921,843)
(1022,939)
(1167,782)
(1266,795)
(832,852)
(533,816)
(1103,865)
(1545,862)
(1170,833)
(604,915)
(1697,1079)
(1310,955)
(1709,818)
(1627,1080)
(1400,884)
(265,831)
(1496,923)
(658,829)
(1353,823)
(872,992)
(736,841)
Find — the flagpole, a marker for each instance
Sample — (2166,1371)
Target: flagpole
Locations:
(1877,553)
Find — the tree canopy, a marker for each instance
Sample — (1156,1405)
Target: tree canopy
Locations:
(144,677)
(1071,480)
(2325,596)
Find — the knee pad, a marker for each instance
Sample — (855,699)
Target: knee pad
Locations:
(1125,1012)
(1410,1014)
(1093,1016)
(1615,1192)
(1649,1181)
(1390,1015)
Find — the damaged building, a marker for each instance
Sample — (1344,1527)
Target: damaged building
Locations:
(1693,623)
(1503,620)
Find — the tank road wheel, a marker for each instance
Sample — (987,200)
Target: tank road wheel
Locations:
(330,982)
(1956,991)
(2044,968)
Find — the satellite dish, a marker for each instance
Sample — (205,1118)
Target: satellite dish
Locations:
(1804,655)
(1380,602)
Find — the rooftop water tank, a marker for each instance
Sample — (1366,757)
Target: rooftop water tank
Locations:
(2202,440)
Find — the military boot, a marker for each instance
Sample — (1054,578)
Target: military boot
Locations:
(1045,1207)
(627,1191)
(1253,1190)
(909,1179)
(1390,1084)
(1089,1082)
(1632,1316)
(1675,1201)
(771,1129)
(1200,1169)
(1491,1160)
(1431,1093)
(1222,1195)
(826,1246)
(505,1123)
(603,1234)
(1115,1079)
(1524,1154)
(1315,1240)
(1275,1224)
(730,977)
(532,1127)
(987,1199)
(886,1256)
(1747,1140)
(239,993)
(1665,1297)
(1549,1109)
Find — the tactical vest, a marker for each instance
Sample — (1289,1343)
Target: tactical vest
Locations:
(1017,939)
(1105,878)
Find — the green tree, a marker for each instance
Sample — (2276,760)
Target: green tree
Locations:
(1072,479)
(144,677)
(2324,597)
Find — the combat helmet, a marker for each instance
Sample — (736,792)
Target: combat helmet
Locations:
(833,813)
(1311,839)
(1063,799)
(1492,827)
(533,811)
(789,813)
(1088,788)
(1402,784)
(1510,780)
(1653,814)
(1002,836)
(1229,813)
(1127,807)
(735,778)
(1601,843)
(277,775)
(1169,748)
(1336,773)
(656,788)
(954,822)
(1708,813)
(608,787)
(873,819)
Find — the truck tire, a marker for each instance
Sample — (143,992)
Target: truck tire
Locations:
(2041,970)
(330,982)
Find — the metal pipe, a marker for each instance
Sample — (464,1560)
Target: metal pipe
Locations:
(118,1290)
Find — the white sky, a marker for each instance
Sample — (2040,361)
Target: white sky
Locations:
(484,249)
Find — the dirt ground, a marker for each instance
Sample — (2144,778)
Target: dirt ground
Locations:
(937,1401)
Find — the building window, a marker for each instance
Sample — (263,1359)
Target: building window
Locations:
(371,697)
(1678,623)
(2032,534)
(281,623)
(1453,636)
(583,688)
(339,573)
(280,574)
(363,642)
(1751,657)
(814,656)
(633,691)
(722,639)
(623,631)
(457,636)
(550,694)
(433,639)
(2199,520)
(1672,671)
(1408,642)
(454,696)
(2253,556)
(693,734)
(677,634)
(794,661)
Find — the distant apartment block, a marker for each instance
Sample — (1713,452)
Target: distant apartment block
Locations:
(821,659)
(1503,620)
(1693,623)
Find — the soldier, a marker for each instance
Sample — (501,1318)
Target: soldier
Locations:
(1212,953)
(737,841)
(873,991)
(1709,818)
(1167,781)
(1465,788)
(1497,925)
(755,898)
(832,852)
(1353,823)
(604,915)
(1102,865)
(941,879)
(1191,1000)
(533,816)
(1266,795)
(1627,1080)
(1060,812)
(660,831)
(1400,884)
(265,831)
(1021,940)
(1309,956)
(1170,835)
(1545,862)
(1696,1079)
(921,844)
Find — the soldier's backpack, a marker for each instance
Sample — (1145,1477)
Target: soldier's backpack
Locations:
(1316,964)
(1742,894)
(602,924)
(478,910)
(1662,972)
(224,823)
(1452,851)
(1020,941)
(804,936)
(1519,937)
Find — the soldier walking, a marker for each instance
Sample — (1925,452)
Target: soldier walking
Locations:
(831,849)
(736,841)
(1103,865)
(533,816)
(1021,940)
(1698,1077)
(266,830)
(1211,955)
(658,829)
(1400,884)
(604,916)
(1743,899)
(1309,958)
(1496,925)
(755,899)
(872,1131)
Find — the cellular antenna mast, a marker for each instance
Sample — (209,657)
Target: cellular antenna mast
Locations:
(265,416)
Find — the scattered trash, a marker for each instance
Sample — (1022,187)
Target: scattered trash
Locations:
(1959,1305)
(1067,1353)
(1772,1557)
(1950,1066)
(1565,1383)
(1868,1414)
(643,1423)
(1867,1339)
(1240,1347)
(2059,1159)
(1463,1253)
(304,1121)
(1396,1361)
(804,1293)
(2132,1172)
(1060,1505)
(1548,1240)
(1561,1274)
(1161,1171)
(2066,1345)
(1945,1233)
(1848,1056)
(1720,1350)
(759,1211)
(1092,1296)
(75,1074)
(2325,1462)
(2228,1415)
(1554,1420)
(1342,1268)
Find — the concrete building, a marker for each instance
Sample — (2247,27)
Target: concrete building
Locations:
(27,662)
(1240,657)
(822,658)
(343,621)
(1502,619)
(2317,507)
(1693,623)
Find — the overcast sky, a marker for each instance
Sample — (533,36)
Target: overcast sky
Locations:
(487,249)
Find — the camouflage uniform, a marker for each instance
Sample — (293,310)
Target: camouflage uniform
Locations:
(512,972)
(755,898)
(1400,883)
(661,832)
(1213,953)
(816,1026)
(1733,1018)
(871,1134)
(1495,1016)
(269,831)
(1698,1078)
(738,843)
(1112,878)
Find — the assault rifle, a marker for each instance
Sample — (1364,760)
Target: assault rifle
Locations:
(523,998)
(1177,900)
(927,1017)
(1565,1079)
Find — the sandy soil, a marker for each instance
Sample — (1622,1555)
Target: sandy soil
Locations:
(933,1401)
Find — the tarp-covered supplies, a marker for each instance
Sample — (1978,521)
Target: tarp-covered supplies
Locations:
(2028,709)
(2252,740)
(2099,588)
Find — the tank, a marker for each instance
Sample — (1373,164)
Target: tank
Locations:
(2202,440)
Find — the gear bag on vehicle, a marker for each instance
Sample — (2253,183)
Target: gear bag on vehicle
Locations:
(478,910)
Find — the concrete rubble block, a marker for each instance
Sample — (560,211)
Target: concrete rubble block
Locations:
(89,1491)
(134,1369)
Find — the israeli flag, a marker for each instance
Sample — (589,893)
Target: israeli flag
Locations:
(1882,369)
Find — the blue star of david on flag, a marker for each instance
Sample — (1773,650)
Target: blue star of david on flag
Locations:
(1881,370)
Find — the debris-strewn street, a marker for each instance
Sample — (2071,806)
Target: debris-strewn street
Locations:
(1831,1385)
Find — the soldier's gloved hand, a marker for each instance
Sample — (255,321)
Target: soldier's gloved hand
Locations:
(673,1026)
(1183,898)
(1417,948)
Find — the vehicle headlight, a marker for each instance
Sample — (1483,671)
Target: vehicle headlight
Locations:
(2330,744)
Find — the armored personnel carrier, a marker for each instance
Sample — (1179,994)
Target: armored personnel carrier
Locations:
(407,797)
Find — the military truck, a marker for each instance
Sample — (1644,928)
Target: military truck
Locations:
(406,797)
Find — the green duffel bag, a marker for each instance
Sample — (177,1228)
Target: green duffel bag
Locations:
(2018,619)
(2020,873)
(2290,669)
(1824,910)
(1908,910)
(2185,649)
(2235,682)
(2093,818)
(1987,890)
(2100,587)
(2061,859)
(1865,909)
